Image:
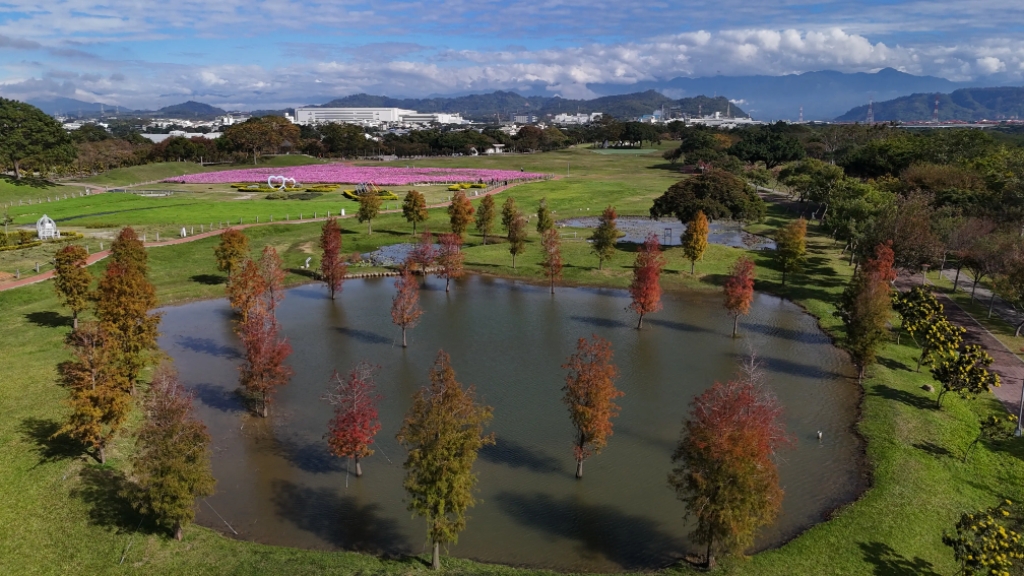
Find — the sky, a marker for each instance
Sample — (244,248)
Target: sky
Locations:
(247,54)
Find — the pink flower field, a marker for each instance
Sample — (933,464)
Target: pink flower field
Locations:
(343,174)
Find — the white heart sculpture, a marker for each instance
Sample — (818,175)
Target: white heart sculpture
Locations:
(289,183)
(276,182)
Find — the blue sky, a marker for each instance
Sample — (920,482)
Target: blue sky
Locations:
(273,53)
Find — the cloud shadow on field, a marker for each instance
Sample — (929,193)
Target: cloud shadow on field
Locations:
(340,520)
(515,455)
(632,542)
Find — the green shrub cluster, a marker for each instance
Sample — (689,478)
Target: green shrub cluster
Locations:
(383,194)
(302,195)
(465,186)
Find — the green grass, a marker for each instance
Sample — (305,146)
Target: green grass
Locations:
(161,170)
(60,515)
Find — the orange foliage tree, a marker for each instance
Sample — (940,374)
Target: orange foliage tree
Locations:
(551,243)
(261,286)
(865,307)
(589,394)
(350,432)
(72,279)
(645,289)
(405,306)
(739,291)
(245,288)
(232,251)
(450,258)
(460,213)
(272,272)
(332,266)
(724,465)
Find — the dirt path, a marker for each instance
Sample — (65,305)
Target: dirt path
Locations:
(93,258)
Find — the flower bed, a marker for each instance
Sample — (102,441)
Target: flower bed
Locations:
(342,174)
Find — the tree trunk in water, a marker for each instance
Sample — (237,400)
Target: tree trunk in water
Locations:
(74,324)
(404,345)
(436,563)
(991,303)
(735,324)
(359,468)
(640,322)
(447,279)
(579,469)
(177,531)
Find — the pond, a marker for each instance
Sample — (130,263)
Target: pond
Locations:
(669,230)
(277,483)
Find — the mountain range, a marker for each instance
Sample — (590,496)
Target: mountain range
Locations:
(504,105)
(73,107)
(967,104)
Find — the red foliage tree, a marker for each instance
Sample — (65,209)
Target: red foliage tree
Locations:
(246,288)
(332,266)
(589,394)
(450,258)
(265,355)
(645,289)
(725,469)
(739,290)
(424,254)
(350,432)
(551,243)
(405,306)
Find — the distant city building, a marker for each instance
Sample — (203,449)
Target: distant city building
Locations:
(524,119)
(372,116)
(576,118)
(232,119)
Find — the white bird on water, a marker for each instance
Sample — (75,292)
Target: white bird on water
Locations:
(819,435)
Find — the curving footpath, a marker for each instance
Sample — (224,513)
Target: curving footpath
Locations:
(96,257)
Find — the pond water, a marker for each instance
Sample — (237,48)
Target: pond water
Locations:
(669,230)
(278,484)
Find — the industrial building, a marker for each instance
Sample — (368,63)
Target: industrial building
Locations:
(371,116)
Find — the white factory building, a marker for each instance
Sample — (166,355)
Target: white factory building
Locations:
(375,116)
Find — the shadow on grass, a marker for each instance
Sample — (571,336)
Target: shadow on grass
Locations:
(209,279)
(908,398)
(48,319)
(934,449)
(888,563)
(102,489)
(892,364)
(28,181)
(341,520)
(48,447)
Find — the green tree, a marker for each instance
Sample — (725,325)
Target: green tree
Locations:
(865,307)
(545,221)
(72,279)
(485,216)
(443,432)
(719,194)
(171,465)
(414,208)
(768,144)
(791,247)
(605,236)
(695,239)
(232,250)
(369,208)
(460,213)
(993,428)
(987,542)
(27,132)
(508,212)
(965,373)
(517,237)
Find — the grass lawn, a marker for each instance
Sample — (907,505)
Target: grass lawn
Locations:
(161,170)
(61,513)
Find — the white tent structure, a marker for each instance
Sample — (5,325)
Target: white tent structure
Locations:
(46,228)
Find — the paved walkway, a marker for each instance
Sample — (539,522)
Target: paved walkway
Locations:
(93,258)
(1001,308)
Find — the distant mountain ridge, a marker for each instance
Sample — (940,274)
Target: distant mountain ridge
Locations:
(823,94)
(189,109)
(967,104)
(73,107)
(505,104)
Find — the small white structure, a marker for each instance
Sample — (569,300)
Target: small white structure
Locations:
(46,228)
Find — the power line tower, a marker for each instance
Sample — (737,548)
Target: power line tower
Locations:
(871,112)
(935,114)
(801,114)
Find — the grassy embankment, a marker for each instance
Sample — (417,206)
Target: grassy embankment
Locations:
(60,515)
